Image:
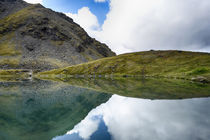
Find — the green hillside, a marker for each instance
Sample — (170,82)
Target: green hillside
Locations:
(173,64)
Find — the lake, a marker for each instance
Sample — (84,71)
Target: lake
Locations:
(104,109)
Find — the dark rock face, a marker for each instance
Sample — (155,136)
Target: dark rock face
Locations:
(80,49)
(39,29)
(39,38)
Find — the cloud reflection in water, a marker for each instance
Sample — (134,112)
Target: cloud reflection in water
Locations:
(123,118)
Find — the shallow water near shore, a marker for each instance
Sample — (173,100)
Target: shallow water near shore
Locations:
(109,109)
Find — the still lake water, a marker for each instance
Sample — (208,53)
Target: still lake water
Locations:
(104,109)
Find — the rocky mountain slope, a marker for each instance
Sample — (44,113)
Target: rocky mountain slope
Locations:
(34,37)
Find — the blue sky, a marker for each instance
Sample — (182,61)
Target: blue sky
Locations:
(99,9)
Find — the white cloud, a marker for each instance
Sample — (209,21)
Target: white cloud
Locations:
(85,128)
(86,19)
(34,1)
(100,0)
(137,25)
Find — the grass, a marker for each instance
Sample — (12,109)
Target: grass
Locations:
(199,71)
(10,62)
(57,43)
(13,21)
(178,64)
(7,46)
(44,62)
(8,49)
(53,62)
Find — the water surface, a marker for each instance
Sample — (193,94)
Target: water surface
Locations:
(105,109)
(124,118)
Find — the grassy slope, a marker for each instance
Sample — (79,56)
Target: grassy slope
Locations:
(178,64)
(7,47)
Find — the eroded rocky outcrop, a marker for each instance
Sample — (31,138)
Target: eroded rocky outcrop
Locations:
(38,38)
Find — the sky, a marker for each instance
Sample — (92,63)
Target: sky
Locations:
(141,25)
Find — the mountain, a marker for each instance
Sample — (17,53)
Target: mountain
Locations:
(34,37)
(170,64)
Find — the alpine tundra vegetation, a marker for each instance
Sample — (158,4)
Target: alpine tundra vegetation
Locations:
(169,64)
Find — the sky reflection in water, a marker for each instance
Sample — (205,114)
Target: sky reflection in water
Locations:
(123,118)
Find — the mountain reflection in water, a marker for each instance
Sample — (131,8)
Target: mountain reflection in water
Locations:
(43,109)
(123,118)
